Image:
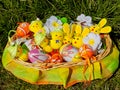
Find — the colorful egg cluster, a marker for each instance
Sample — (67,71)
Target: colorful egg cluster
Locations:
(59,40)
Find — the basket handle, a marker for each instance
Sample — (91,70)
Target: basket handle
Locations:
(9,39)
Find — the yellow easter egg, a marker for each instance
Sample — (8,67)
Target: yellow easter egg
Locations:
(19,51)
(23,57)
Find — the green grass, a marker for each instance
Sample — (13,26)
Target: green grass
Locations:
(13,11)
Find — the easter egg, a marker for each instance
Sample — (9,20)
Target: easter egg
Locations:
(37,55)
(19,51)
(56,58)
(86,51)
(24,55)
(22,29)
(30,44)
(64,20)
(68,52)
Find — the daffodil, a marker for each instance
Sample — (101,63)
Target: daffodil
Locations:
(53,23)
(84,20)
(93,40)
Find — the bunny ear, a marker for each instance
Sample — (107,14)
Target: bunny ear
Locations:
(102,22)
(72,29)
(78,29)
(85,32)
(106,29)
(66,28)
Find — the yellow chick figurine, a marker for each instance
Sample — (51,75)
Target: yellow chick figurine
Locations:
(79,35)
(45,45)
(57,37)
(38,30)
(36,26)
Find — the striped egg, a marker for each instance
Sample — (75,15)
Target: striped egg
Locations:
(68,52)
(22,29)
(86,51)
(37,55)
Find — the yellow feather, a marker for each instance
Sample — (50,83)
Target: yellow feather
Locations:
(106,29)
(102,22)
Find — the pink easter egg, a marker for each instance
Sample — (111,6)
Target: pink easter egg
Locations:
(37,55)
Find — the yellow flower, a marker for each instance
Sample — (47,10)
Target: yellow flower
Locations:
(55,24)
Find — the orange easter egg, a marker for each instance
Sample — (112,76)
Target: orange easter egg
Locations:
(56,58)
(22,29)
(86,51)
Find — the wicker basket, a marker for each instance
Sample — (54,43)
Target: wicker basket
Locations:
(47,66)
(66,73)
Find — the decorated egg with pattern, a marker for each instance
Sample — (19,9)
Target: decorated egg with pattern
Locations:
(22,29)
(68,52)
(37,55)
(56,58)
(86,51)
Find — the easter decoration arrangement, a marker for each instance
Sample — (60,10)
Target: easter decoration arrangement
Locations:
(61,51)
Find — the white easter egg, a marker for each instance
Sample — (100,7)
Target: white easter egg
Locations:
(68,52)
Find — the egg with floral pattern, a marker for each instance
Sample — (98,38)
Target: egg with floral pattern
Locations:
(37,55)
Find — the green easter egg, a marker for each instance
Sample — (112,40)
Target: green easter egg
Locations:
(64,20)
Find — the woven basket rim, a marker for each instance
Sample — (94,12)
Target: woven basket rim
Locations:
(48,66)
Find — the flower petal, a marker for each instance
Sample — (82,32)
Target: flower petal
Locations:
(88,19)
(95,38)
